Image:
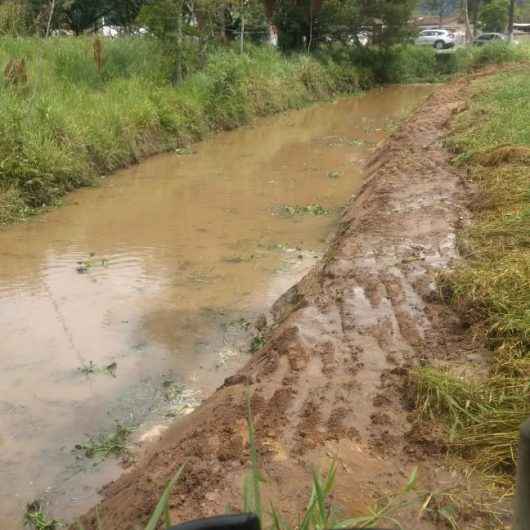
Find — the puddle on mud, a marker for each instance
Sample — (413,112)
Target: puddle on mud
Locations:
(159,270)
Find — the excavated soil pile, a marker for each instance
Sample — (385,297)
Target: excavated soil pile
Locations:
(331,381)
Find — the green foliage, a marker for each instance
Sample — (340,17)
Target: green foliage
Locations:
(491,290)
(160,513)
(522,12)
(441,8)
(396,64)
(161,17)
(286,210)
(162,508)
(410,64)
(308,24)
(106,445)
(320,513)
(71,124)
(391,17)
(37,519)
(493,16)
(13,18)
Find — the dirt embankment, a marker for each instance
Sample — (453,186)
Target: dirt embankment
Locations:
(331,381)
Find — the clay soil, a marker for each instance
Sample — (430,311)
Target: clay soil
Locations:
(332,381)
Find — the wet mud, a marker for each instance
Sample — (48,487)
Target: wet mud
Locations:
(331,382)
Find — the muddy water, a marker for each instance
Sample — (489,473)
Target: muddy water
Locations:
(160,270)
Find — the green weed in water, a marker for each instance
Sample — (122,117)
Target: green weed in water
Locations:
(36,518)
(286,210)
(90,368)
(105,445)
(86,265)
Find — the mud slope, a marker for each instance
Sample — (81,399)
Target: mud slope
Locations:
(329,383)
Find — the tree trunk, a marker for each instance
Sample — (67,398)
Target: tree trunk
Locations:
(222,20)
(310,37)
(465,7)
(50,18)
(511,14)
(179,69)
(242,37)
(475,8)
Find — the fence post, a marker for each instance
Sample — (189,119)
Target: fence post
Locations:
(522,494)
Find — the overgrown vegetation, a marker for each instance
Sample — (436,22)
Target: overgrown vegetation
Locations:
(68,123)
(74,109)
(491,290)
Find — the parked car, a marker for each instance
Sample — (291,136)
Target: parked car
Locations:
(438,38)
(486,38)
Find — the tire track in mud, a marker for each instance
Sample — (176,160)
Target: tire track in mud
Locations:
(330,380)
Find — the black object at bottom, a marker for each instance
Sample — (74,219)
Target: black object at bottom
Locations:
(242,521)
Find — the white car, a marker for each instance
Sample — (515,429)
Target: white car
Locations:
(438,38)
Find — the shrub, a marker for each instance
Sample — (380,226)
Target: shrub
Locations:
(473,57)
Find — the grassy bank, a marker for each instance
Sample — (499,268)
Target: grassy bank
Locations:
(491,290)
(71,123)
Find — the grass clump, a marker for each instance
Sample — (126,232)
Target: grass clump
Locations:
(491,290)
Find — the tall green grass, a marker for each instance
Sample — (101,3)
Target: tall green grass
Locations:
(71,123)
(491,290)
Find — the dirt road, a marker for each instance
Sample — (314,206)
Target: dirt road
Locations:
(331,381)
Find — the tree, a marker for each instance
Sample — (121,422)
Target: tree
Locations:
(441,8)
(388,20)
(165,19)
(308,23)
(494,16)
(297,22)
(522,11)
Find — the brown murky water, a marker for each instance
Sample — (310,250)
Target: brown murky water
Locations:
(181,252)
